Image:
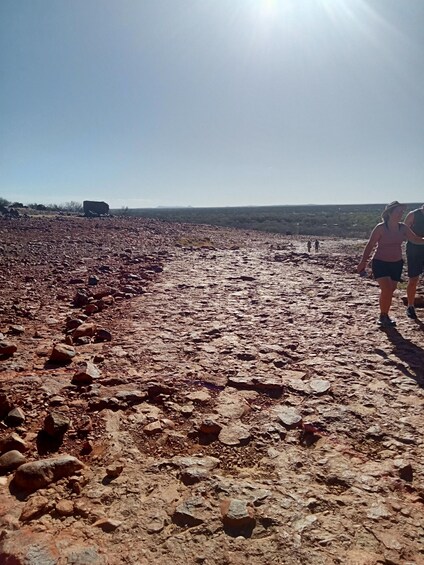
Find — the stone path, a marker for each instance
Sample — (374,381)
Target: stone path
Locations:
(248,411)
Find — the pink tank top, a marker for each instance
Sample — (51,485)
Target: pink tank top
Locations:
(389,246)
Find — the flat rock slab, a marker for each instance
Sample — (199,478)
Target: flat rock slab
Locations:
(319,386)
(288,416)
(259,383)
(235,433)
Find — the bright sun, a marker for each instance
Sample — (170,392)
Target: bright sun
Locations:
(268,8)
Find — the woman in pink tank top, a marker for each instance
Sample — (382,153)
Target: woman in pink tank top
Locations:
(387,262)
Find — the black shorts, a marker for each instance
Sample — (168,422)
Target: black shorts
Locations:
(415,256)
(392,269)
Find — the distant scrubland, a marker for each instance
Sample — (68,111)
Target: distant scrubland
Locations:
(354,220)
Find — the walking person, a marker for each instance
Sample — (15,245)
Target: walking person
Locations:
(309,245)
(415,257)
(316,244)
(387,262)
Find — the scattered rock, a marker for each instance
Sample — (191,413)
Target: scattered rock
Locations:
(16,330)
(62,353)
(237,514)
(35,507)
(234,434)
(290,417)
(87,329)
(10,461)
(200,397)
(15,417)
(153,428)
(113,471)
(5,405)
(39,474)
(7,348)
(103,335)
(210,426)
(191,512)
(12,442)
(405,470)
(65,507)
(85,374)
(107,524)
(93,280)
(56,424)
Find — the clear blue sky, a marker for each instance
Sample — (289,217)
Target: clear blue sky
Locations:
(212,102)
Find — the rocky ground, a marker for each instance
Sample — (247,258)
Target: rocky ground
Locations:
(189,394)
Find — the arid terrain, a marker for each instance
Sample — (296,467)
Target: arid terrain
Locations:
(187,394)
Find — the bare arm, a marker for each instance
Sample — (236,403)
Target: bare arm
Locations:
(409,220)
(372,242)
(413,236)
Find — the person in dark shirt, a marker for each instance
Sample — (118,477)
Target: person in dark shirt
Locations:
(415,257)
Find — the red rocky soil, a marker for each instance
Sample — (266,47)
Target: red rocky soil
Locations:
(223,397)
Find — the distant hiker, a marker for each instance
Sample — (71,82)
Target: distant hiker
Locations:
(387,262)
(415,257)
(309,245)
(316,245)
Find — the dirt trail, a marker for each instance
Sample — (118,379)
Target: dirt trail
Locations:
(278,424)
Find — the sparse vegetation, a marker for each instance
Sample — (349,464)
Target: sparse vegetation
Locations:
(68,207)
(333,220)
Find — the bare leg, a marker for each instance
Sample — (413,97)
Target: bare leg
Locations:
(387,288)
(411,290)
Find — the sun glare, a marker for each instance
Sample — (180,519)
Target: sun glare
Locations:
(268,8)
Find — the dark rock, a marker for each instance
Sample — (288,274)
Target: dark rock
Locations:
(113,471)
(15,417)
(210,426)
(7,348)
(405,470)
(56,424)
(103,335)
(5,405)
(81,298)
(260,383)
(85,374)
(12,442)
(93,280)
(16,330)
(73,323)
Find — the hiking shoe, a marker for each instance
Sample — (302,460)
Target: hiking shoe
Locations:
(410,312)
(386,322)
